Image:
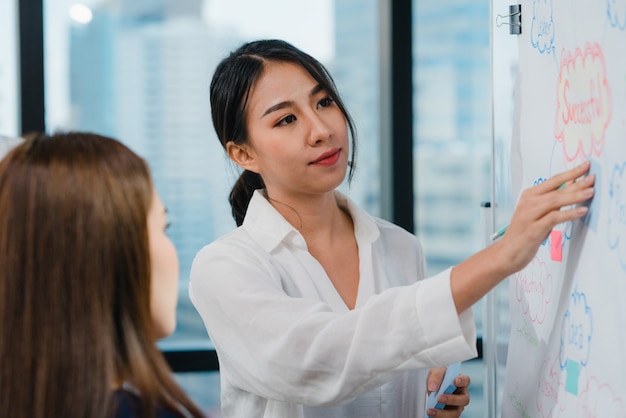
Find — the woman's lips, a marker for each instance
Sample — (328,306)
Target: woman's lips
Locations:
(328,158)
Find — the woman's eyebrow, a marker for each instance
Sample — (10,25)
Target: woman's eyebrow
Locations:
(278,106)
(287,103)
(316,90)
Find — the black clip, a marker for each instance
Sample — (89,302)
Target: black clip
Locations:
(515,19)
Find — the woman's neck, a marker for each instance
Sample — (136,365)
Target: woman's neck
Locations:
(312,215)
(328,231)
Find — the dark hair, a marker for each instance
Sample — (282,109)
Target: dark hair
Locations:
(75,281)
(230,87)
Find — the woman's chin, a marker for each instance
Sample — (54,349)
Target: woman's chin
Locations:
(162,330)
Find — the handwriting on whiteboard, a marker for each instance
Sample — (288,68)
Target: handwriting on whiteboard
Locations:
(584,103)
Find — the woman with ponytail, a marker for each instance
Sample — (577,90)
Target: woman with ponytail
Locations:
(315,308)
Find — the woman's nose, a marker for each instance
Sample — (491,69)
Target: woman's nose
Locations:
(319,130)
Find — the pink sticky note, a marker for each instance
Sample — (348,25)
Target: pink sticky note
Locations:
(556,245)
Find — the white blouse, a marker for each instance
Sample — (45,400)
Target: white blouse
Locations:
(287,344)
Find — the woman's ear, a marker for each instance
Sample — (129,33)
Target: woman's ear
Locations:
(242,155)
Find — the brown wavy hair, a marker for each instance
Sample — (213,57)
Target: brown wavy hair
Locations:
(75,281)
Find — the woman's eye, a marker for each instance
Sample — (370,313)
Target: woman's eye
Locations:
(325,102)
(286,120)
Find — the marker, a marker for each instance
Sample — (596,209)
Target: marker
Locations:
(502,230)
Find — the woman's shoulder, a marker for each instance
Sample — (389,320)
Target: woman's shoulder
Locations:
(129,406)
(389,228)
(395,237)
(230,245)
(368,222)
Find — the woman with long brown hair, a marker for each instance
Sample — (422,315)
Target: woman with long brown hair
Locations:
(88,283)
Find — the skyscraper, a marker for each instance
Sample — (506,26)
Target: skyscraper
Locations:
(140,72)
(356,70)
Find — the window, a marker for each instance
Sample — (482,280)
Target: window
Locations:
(452,129)
(9,117)
(452,139)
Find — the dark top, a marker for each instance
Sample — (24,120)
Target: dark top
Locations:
(129,406)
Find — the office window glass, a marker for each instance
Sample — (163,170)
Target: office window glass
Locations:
(452,131)
(9,81)
(139,71)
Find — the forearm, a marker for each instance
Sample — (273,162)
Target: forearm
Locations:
(475,277)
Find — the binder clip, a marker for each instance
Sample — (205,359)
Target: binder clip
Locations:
(514,19)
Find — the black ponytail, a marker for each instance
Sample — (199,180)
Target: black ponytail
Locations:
(242,192)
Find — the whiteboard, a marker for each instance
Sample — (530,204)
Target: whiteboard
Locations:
(567,343)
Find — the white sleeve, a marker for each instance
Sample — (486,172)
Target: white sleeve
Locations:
(445,332)
(297,350)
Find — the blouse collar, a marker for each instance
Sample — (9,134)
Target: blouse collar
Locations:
(269,228)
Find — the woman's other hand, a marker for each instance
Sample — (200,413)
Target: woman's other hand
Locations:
(455,402)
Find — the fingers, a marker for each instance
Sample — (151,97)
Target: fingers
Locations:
(461,381)
(573,193)
(444,413)
(562,190)
(455,405)
(565,177)
(435,377)
(541,208)
(548,202)
(455,402)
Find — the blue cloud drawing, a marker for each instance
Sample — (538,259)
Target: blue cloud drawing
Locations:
(576,331)
(542,27)
(616,12)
